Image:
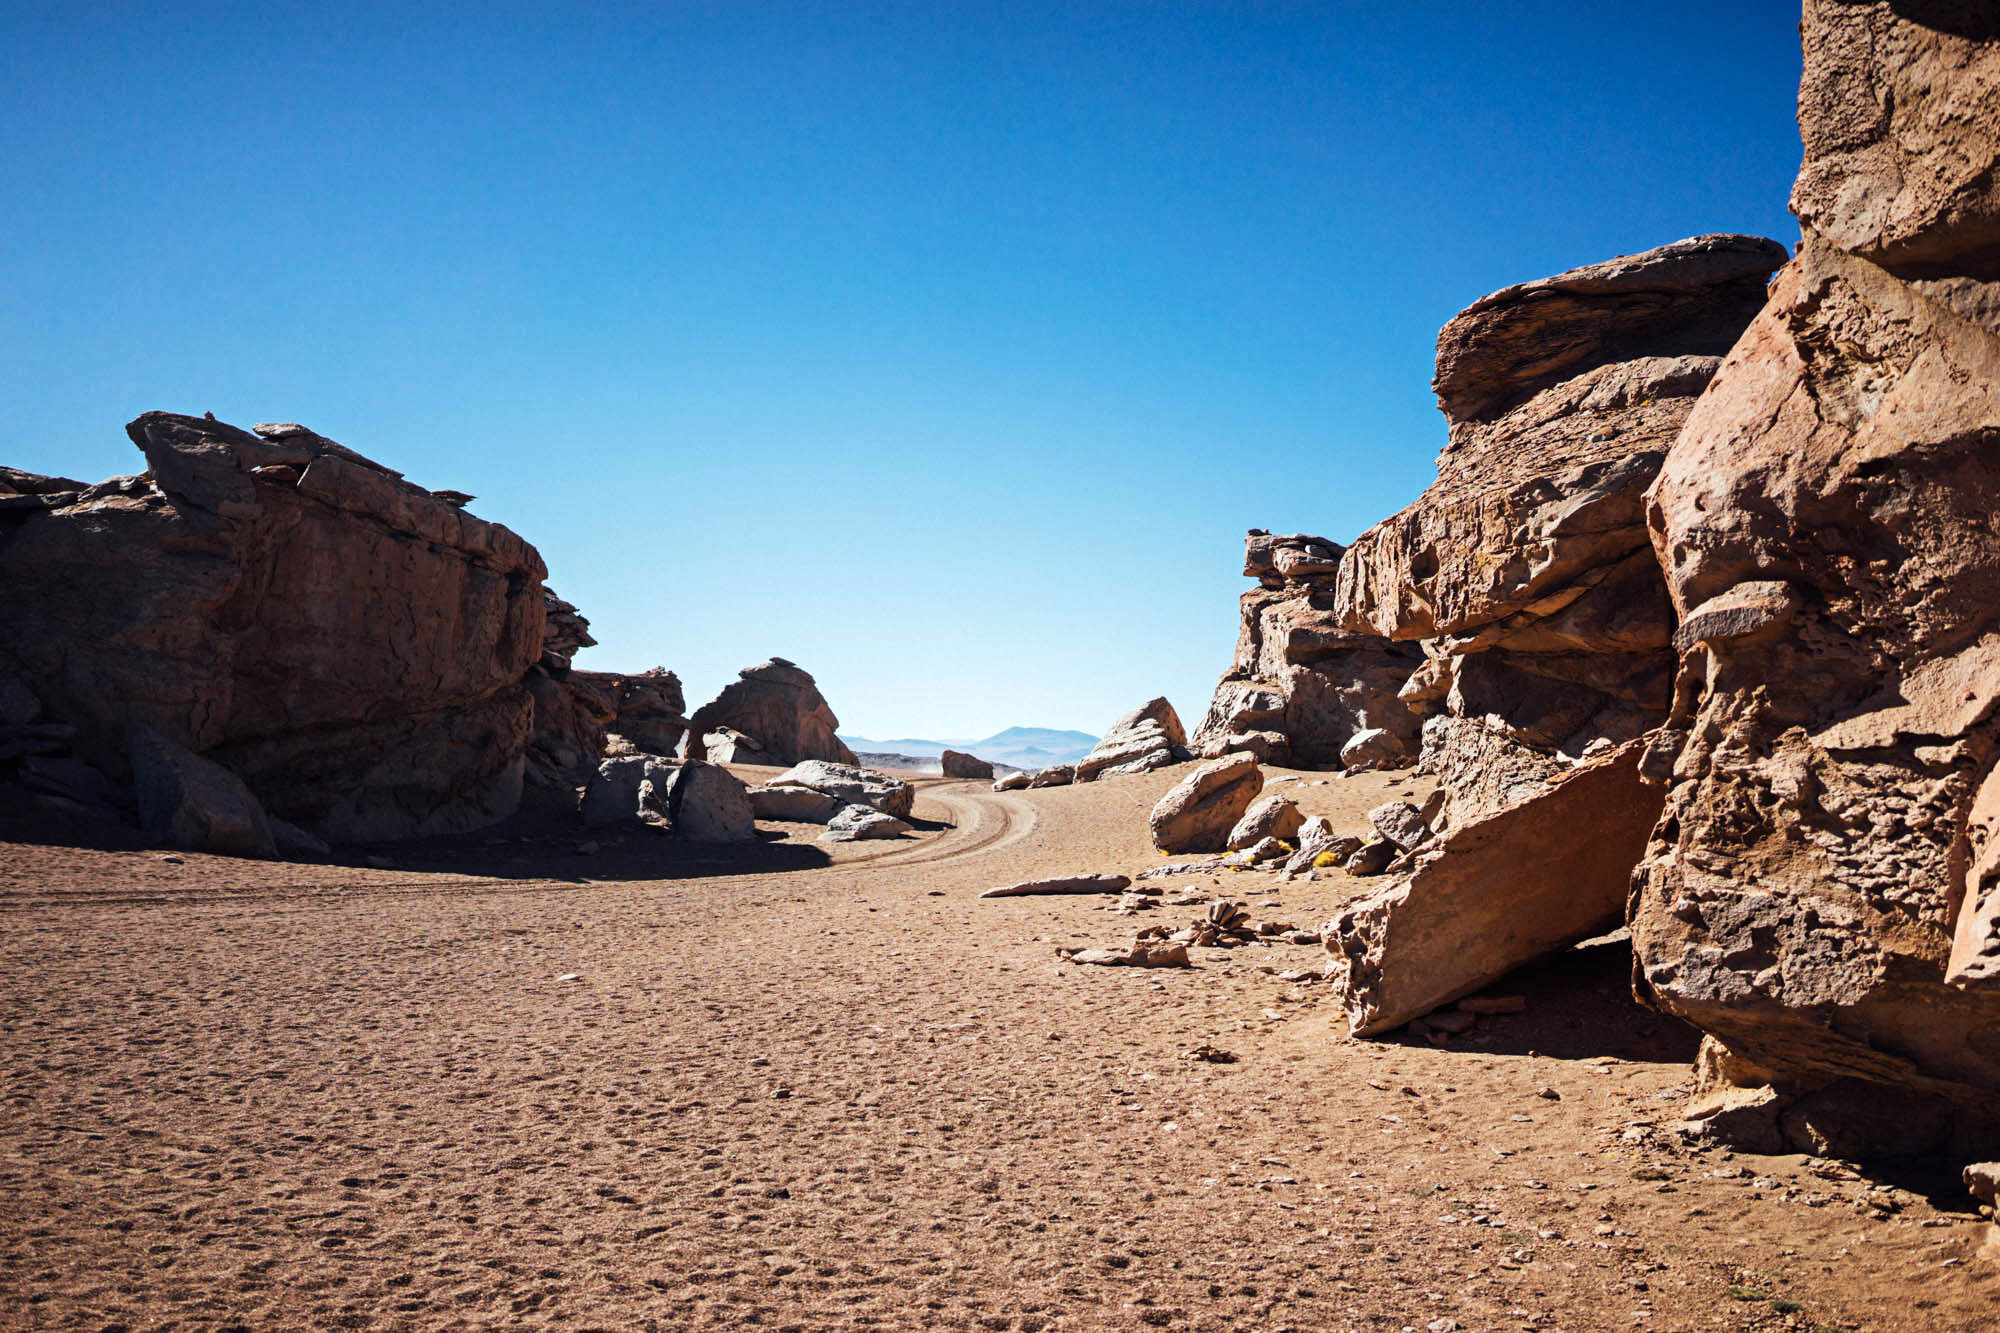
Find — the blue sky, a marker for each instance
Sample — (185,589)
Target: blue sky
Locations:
(947,349)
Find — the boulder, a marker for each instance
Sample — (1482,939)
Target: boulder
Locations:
(708,803)
(779,706)
(1302,687)
(1494,894)
(351,647)
(1014,782)
(1056,775)
(196,804)
(1270,816)
(794,805)
(852,786)
(1148,737)
(956,764)
(1401,823)
(857,822)
(1062,885)
(1198,812)
(1820,896)
(626,788)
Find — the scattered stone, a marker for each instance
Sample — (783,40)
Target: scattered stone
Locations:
(1208,1054)
(1401,823)
(794,805)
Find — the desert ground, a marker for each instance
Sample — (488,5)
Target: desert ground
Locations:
(497,1081)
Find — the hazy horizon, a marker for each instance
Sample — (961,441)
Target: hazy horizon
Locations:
(948,352)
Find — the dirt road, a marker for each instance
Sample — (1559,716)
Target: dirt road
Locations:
(664,1087)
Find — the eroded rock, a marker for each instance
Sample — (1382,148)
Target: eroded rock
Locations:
(779,706)
(1148,737)
(1198,812)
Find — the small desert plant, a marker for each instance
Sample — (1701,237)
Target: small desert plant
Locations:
(1323,860)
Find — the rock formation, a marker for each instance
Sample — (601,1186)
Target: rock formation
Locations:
(1821,894)
(957,764)
(1148,737)
(777,705)
(1526,569)
(1302,688)
(350,645)
(851,786)
(647,707)
(570,711)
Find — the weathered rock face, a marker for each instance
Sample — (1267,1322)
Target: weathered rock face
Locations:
(1148,737)
(570,711)
(780,707)
(851,786)
(1821,893)
(1301,687)
(647,708)
(349,644)
(1526,568)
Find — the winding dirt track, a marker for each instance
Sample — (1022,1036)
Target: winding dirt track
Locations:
(663,1088)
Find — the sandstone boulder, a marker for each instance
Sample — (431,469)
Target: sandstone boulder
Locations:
(852,786)
(1148,737)
(957,764)
(1063,884)
(708,803)
(1013,782)
(1820,894)
(857,822)
(780,707)
(1056,775)
(1270,816)
(794,805)
(1198,812)
(198,805)
(1494,894)
(350,646)
(627,787)
(1400,823)
(647,707)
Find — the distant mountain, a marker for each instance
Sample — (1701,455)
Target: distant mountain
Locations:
(1018,747)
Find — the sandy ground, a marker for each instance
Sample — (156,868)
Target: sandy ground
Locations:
(504,1084)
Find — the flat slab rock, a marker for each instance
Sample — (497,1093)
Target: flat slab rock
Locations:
(1062,884)
(1139,955)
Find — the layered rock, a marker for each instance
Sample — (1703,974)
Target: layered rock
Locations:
(780,707)
(1526,569)
(1148,737)
(1302,688)
(648,708)
(1820,896)
(571,712)
(351,645)
(958,764)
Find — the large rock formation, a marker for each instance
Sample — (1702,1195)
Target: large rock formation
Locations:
(1526,568)
(1302,688)
(777,705)
(571,711)
(351,645)
(1821,894)
(648,708)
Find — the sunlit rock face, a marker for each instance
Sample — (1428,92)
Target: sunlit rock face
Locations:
(1526,568)
(351,645)
(1302,689)
(1823,893)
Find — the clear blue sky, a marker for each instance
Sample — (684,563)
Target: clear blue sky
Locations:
(947,349)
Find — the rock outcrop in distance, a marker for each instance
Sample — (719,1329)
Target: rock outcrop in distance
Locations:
(1821,896)
(779,708)
(1304,690)
(355,648)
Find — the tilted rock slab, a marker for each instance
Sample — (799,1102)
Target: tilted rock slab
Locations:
(350,645)
(1821,895)
(1302,687)
(199,805)
(1148,737)
(1494,894)
(1062,885)
(958,764)
(1198,812)
(779,706)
